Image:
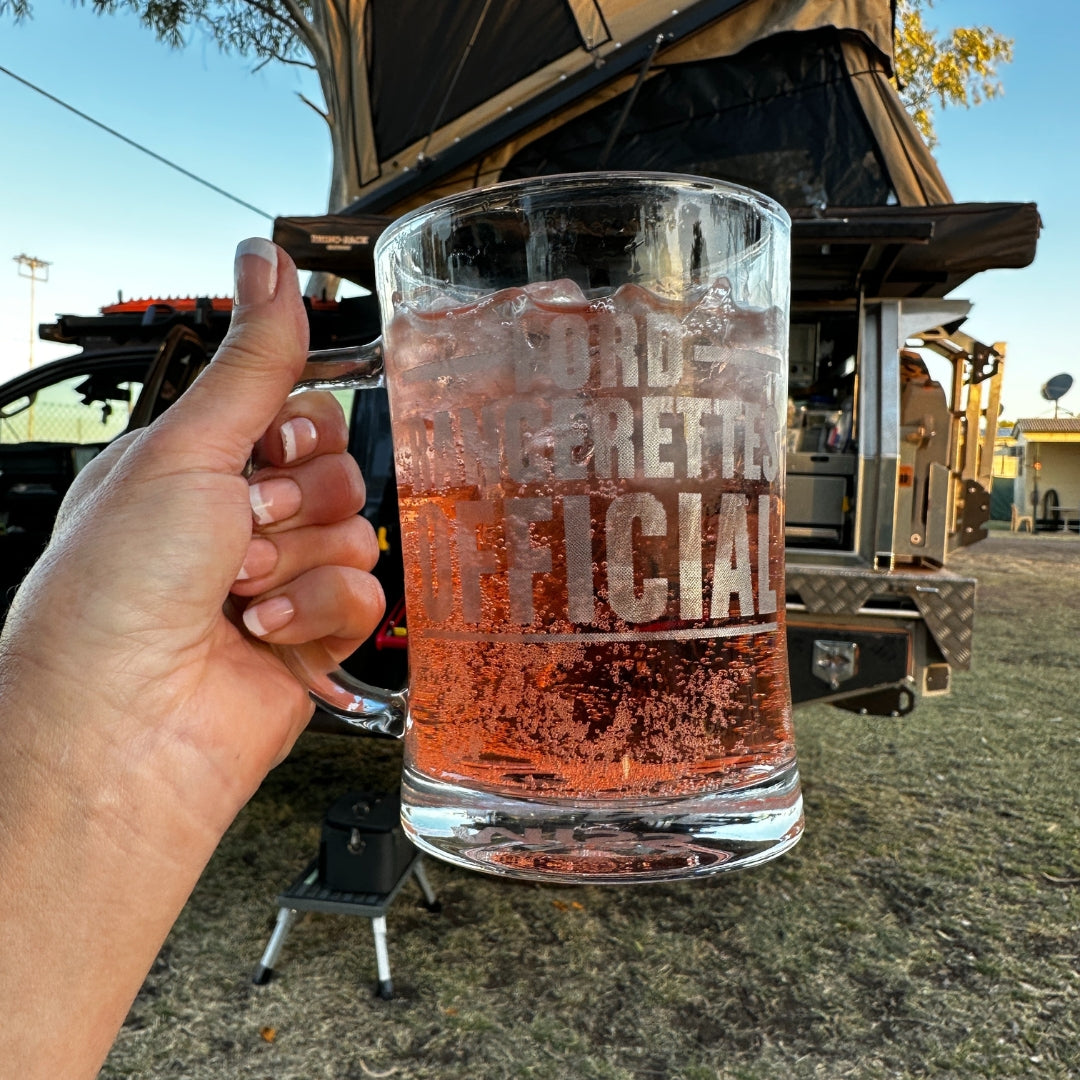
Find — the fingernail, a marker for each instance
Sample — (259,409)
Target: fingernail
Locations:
(261,558)
(274,500)
(270,615)
(298,437)
(255,269)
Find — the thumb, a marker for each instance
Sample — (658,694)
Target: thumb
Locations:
(231,404)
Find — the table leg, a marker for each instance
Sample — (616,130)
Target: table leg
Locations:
(425,887)
(265,970)
(385,988)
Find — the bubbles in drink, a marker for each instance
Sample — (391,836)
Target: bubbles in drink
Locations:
(591,502)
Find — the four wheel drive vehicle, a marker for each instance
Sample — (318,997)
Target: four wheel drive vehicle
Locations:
(136,359)
(884,478)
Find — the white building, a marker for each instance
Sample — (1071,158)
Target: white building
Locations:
(1047,483)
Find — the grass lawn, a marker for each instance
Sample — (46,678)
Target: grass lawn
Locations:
(928,924)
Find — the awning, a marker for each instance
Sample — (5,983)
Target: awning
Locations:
(1043,429)
(880,251)
(334,243)
(907,251)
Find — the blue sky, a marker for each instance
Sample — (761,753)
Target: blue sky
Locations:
(109,218)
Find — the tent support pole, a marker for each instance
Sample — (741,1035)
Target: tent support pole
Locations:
(616,131)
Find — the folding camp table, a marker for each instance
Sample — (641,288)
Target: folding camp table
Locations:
(308,893)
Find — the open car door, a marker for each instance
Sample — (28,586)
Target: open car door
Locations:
(180,358)
(58,417)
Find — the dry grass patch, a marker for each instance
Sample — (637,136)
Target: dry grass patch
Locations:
(928,925)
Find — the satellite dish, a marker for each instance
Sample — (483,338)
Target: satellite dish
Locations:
(1056,387)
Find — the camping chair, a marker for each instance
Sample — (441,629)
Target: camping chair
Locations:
(1019,520)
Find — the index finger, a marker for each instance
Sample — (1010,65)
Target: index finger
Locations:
(309,423)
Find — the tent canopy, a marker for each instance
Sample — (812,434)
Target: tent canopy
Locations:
(791,97)
(525,86)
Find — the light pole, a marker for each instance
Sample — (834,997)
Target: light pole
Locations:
(29,267)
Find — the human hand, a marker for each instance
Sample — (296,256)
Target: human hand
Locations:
(138,712)
(154,533)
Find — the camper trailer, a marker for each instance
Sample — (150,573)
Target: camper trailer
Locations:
(892,407)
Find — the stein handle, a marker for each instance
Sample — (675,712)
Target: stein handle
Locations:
(368,707)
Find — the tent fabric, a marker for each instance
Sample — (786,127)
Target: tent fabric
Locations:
(912,170)
(780,117)
(809,117)
(603,42)
(493,46)
(590,20)
(757,21)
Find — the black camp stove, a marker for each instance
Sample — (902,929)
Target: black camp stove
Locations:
(363,847)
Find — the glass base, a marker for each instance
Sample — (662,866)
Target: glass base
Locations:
(596,842)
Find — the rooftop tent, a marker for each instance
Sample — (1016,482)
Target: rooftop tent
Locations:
(791,97)
(755,91)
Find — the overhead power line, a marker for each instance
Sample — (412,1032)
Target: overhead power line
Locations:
(138,146)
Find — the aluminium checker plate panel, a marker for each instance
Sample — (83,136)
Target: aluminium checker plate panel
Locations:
(945,601)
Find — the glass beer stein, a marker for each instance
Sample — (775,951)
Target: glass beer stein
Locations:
(587,378)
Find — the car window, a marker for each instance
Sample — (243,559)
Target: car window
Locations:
(81,410)
(345,399)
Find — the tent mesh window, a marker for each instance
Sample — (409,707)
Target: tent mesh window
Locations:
(414,90)
(779,117)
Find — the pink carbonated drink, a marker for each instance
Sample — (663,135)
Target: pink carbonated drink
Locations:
(591,504)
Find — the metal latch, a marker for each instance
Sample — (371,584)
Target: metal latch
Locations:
(834,662)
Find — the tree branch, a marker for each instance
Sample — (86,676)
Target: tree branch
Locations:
(303,26)
(283,60)
(20,9)
(312,105)
(297,23)
(290,22)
